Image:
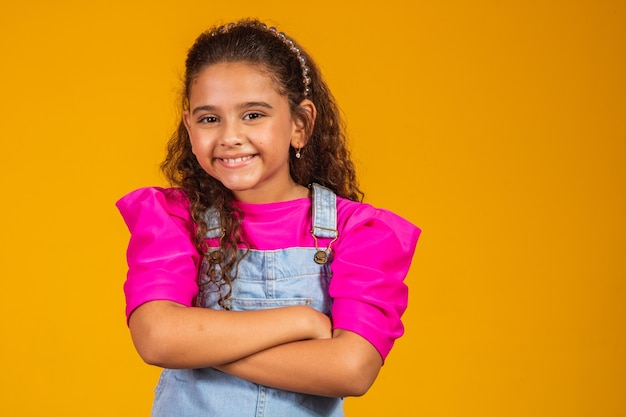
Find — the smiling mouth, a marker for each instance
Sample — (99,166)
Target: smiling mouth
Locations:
(236,160)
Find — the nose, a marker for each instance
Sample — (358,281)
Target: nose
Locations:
(231,134)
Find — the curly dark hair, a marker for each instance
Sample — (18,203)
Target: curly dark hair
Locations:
(324,160)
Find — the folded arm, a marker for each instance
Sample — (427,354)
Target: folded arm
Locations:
(344,365)
(170,335)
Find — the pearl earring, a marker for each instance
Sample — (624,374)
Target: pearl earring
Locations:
(298,154)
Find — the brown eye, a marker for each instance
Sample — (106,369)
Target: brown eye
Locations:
(252,116)
(208,119)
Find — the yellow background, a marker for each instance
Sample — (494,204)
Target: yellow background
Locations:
(498,127)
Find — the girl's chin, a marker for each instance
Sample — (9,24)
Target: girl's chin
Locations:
(239,186)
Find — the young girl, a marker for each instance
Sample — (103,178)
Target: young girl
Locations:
(260,283)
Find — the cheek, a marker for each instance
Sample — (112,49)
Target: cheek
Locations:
(204,163)
(194,148)
(196,144)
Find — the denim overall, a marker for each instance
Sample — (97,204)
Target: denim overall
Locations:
(265,279)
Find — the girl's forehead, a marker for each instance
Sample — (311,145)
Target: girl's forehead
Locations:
(239,67)
(230,83)
(238,73)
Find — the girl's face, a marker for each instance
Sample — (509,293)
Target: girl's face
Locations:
(241,129)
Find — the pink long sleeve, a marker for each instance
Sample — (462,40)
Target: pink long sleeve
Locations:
(162,259)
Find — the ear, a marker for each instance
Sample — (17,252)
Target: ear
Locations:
(303,120)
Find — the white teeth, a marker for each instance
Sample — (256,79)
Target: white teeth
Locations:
(236,160)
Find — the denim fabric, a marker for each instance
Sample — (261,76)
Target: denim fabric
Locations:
(265,279)
(324,212)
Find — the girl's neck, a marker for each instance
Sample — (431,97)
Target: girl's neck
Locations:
(293,192)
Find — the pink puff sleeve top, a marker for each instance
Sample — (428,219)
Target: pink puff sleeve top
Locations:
(370,259)
(162,259)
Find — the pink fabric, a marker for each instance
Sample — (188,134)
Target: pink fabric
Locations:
(162,259)
(370,259)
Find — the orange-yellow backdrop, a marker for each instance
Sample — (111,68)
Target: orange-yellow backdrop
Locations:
(498,127)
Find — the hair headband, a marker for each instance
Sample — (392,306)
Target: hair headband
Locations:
(293,48)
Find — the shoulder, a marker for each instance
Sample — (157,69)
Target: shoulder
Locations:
(174,197)
(359,217)
(154,202)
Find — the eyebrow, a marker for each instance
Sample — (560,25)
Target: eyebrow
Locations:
(209,107)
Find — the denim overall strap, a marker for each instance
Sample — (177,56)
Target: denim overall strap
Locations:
(324,208)
(212,219)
